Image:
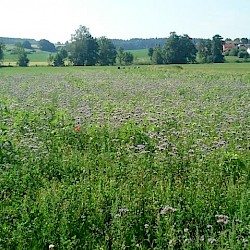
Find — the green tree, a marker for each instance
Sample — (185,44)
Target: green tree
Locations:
(83,48)
(46,45)
(217,49)
(58,59)
(22,59)
(204,54)
(237,40)
(120,55)
(157,56)
(179,49)
(228,40)
(2,47)
(234,51)
(243,54)
(150,53)
(107,51)
(50,59)
(244,40)
(124,57)
(27,44)
(128,58)
(188,49)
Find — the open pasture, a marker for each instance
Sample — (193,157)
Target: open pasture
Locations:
(156,157)
(36,56)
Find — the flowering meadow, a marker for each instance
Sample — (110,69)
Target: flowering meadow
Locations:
(153,157)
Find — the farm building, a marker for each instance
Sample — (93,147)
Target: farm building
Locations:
(230,45)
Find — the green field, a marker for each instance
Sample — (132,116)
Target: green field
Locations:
(36,56)
(149,157)
(140,56)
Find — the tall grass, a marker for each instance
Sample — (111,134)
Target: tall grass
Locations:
(101,158)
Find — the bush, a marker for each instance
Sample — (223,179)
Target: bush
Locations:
(243,54)
(234,52)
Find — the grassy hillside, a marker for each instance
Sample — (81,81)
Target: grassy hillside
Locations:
(36,56)
(140,56)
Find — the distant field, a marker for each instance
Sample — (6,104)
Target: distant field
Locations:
(36,58)
(140,56)
(233,59)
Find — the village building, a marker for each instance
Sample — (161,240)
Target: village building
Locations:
(230,45)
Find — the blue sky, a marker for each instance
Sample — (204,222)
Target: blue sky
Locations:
(56,20)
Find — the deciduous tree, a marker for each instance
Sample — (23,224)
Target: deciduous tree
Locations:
(234,51)
(150,53)
(217,49)
(128,58)
(204,54)
(157,56)
(46,45)
(2,47)
(50,59)
(124,57)
(107,51)
(179,49)
(27,44)
(120,55)
(244,40)
(22,59)
(58,59)
(83,48)
(237,40)
(243,54)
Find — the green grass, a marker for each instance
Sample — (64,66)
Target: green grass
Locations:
(140,56)
(39,56)
(234,59)
(36,56)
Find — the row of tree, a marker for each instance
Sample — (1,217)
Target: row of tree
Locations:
(85,50)
(181,49)
(129,44)
(138,43)
(82,50)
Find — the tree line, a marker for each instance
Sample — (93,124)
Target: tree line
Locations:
(138,43)
(85,50)
(180,49)
(82,50)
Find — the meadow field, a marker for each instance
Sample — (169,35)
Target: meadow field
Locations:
(149,157)
(35,55)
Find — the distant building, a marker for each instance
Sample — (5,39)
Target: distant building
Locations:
(230,45)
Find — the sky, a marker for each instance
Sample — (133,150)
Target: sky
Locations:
(57,20)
